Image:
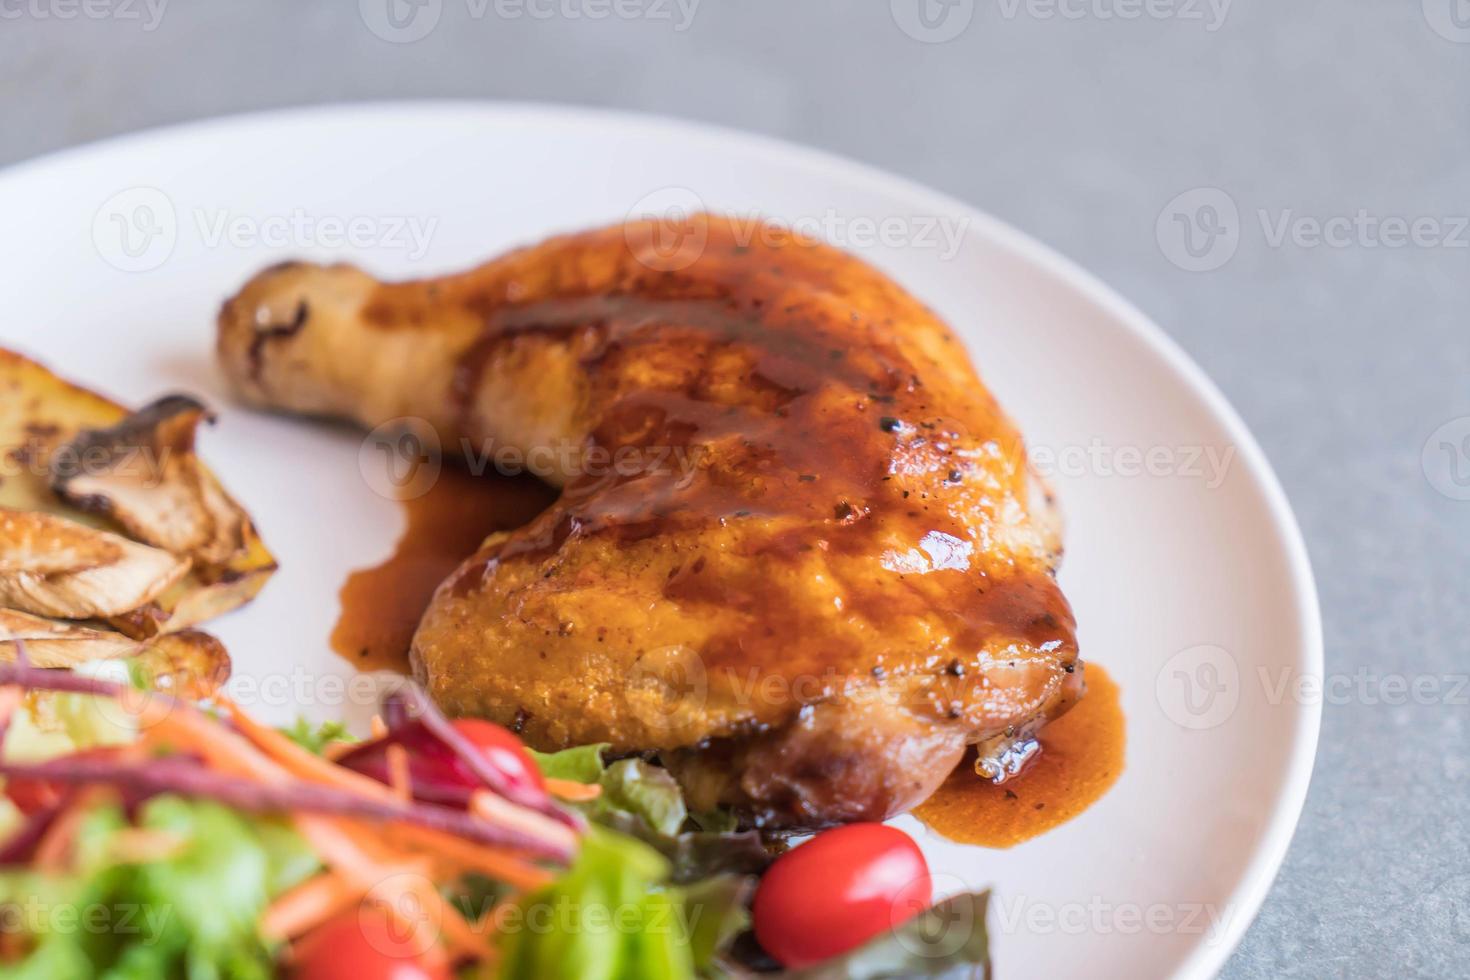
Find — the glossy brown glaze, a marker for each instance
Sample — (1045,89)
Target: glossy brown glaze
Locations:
(381,606)
(826,567)
(1082,755)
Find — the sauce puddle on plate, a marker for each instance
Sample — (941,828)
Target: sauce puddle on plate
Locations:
(382,606)
(1081,757)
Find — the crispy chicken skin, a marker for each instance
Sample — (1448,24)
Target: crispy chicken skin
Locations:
(798,552)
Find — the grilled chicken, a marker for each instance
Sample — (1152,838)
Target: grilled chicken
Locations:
(798,553)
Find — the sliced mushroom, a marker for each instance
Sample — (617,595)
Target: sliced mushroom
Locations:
(143,473)
(54,644)
(135,578)
(190,664)
(42,547)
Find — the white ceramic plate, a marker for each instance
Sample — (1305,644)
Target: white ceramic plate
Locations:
(1184,563)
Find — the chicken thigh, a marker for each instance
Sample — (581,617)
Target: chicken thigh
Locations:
(798,554)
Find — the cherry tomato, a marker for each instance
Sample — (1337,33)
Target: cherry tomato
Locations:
(504,751)
(361,947)
(32,795)
(440,775)
(837,891)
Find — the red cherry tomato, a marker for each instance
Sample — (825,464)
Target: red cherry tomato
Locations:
(837,891)
(504,751)
(32,795)
(362,947)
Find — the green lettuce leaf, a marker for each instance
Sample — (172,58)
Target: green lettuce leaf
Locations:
(190,913)
(580,765)
(316,738)
(950,940)
(644,801)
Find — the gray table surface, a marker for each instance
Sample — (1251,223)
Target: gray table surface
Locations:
(1079,121)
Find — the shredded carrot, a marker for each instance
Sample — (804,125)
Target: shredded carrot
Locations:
(308,905)
(55,845)
(384,862)
(336,750)
(351,852)
(398,773)
(498,864)
(565,789)
(303,764)
(222,749)
(503,813)
(287,755)
(379,727)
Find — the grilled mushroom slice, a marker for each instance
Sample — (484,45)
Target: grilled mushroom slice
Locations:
(43,547)
(50,643)
(135,577)
(143,473)
(189,664)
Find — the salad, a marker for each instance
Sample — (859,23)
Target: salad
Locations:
(147,835)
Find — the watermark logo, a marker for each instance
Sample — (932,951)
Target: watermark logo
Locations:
(932,21)
(667,687)
(407,21)
(1446,459)
(300,229)
(401,21)
(1210,13)
(1450,19)
(1202,229)
(401,459)
(396,921)
(1199,687)
(147,13)
(136,230)
(669,230)
(1100,916)
(941,930)
(1199,230)
(32,915)
(663,232)
(1210,465)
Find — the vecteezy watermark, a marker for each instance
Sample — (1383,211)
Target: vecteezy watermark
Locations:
(1201,230)
(1445,458)
(1201,687)
(403,458)
(1450,19)
(932,21)
(147,14)
(669,229)
(40,457)
(299,228)
(137,230)
(33,915)
(1210,14)
(407,21)
(301,688)
(1208,464)
(1100,916)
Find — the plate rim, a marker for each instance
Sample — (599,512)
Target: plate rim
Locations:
(1259,873)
